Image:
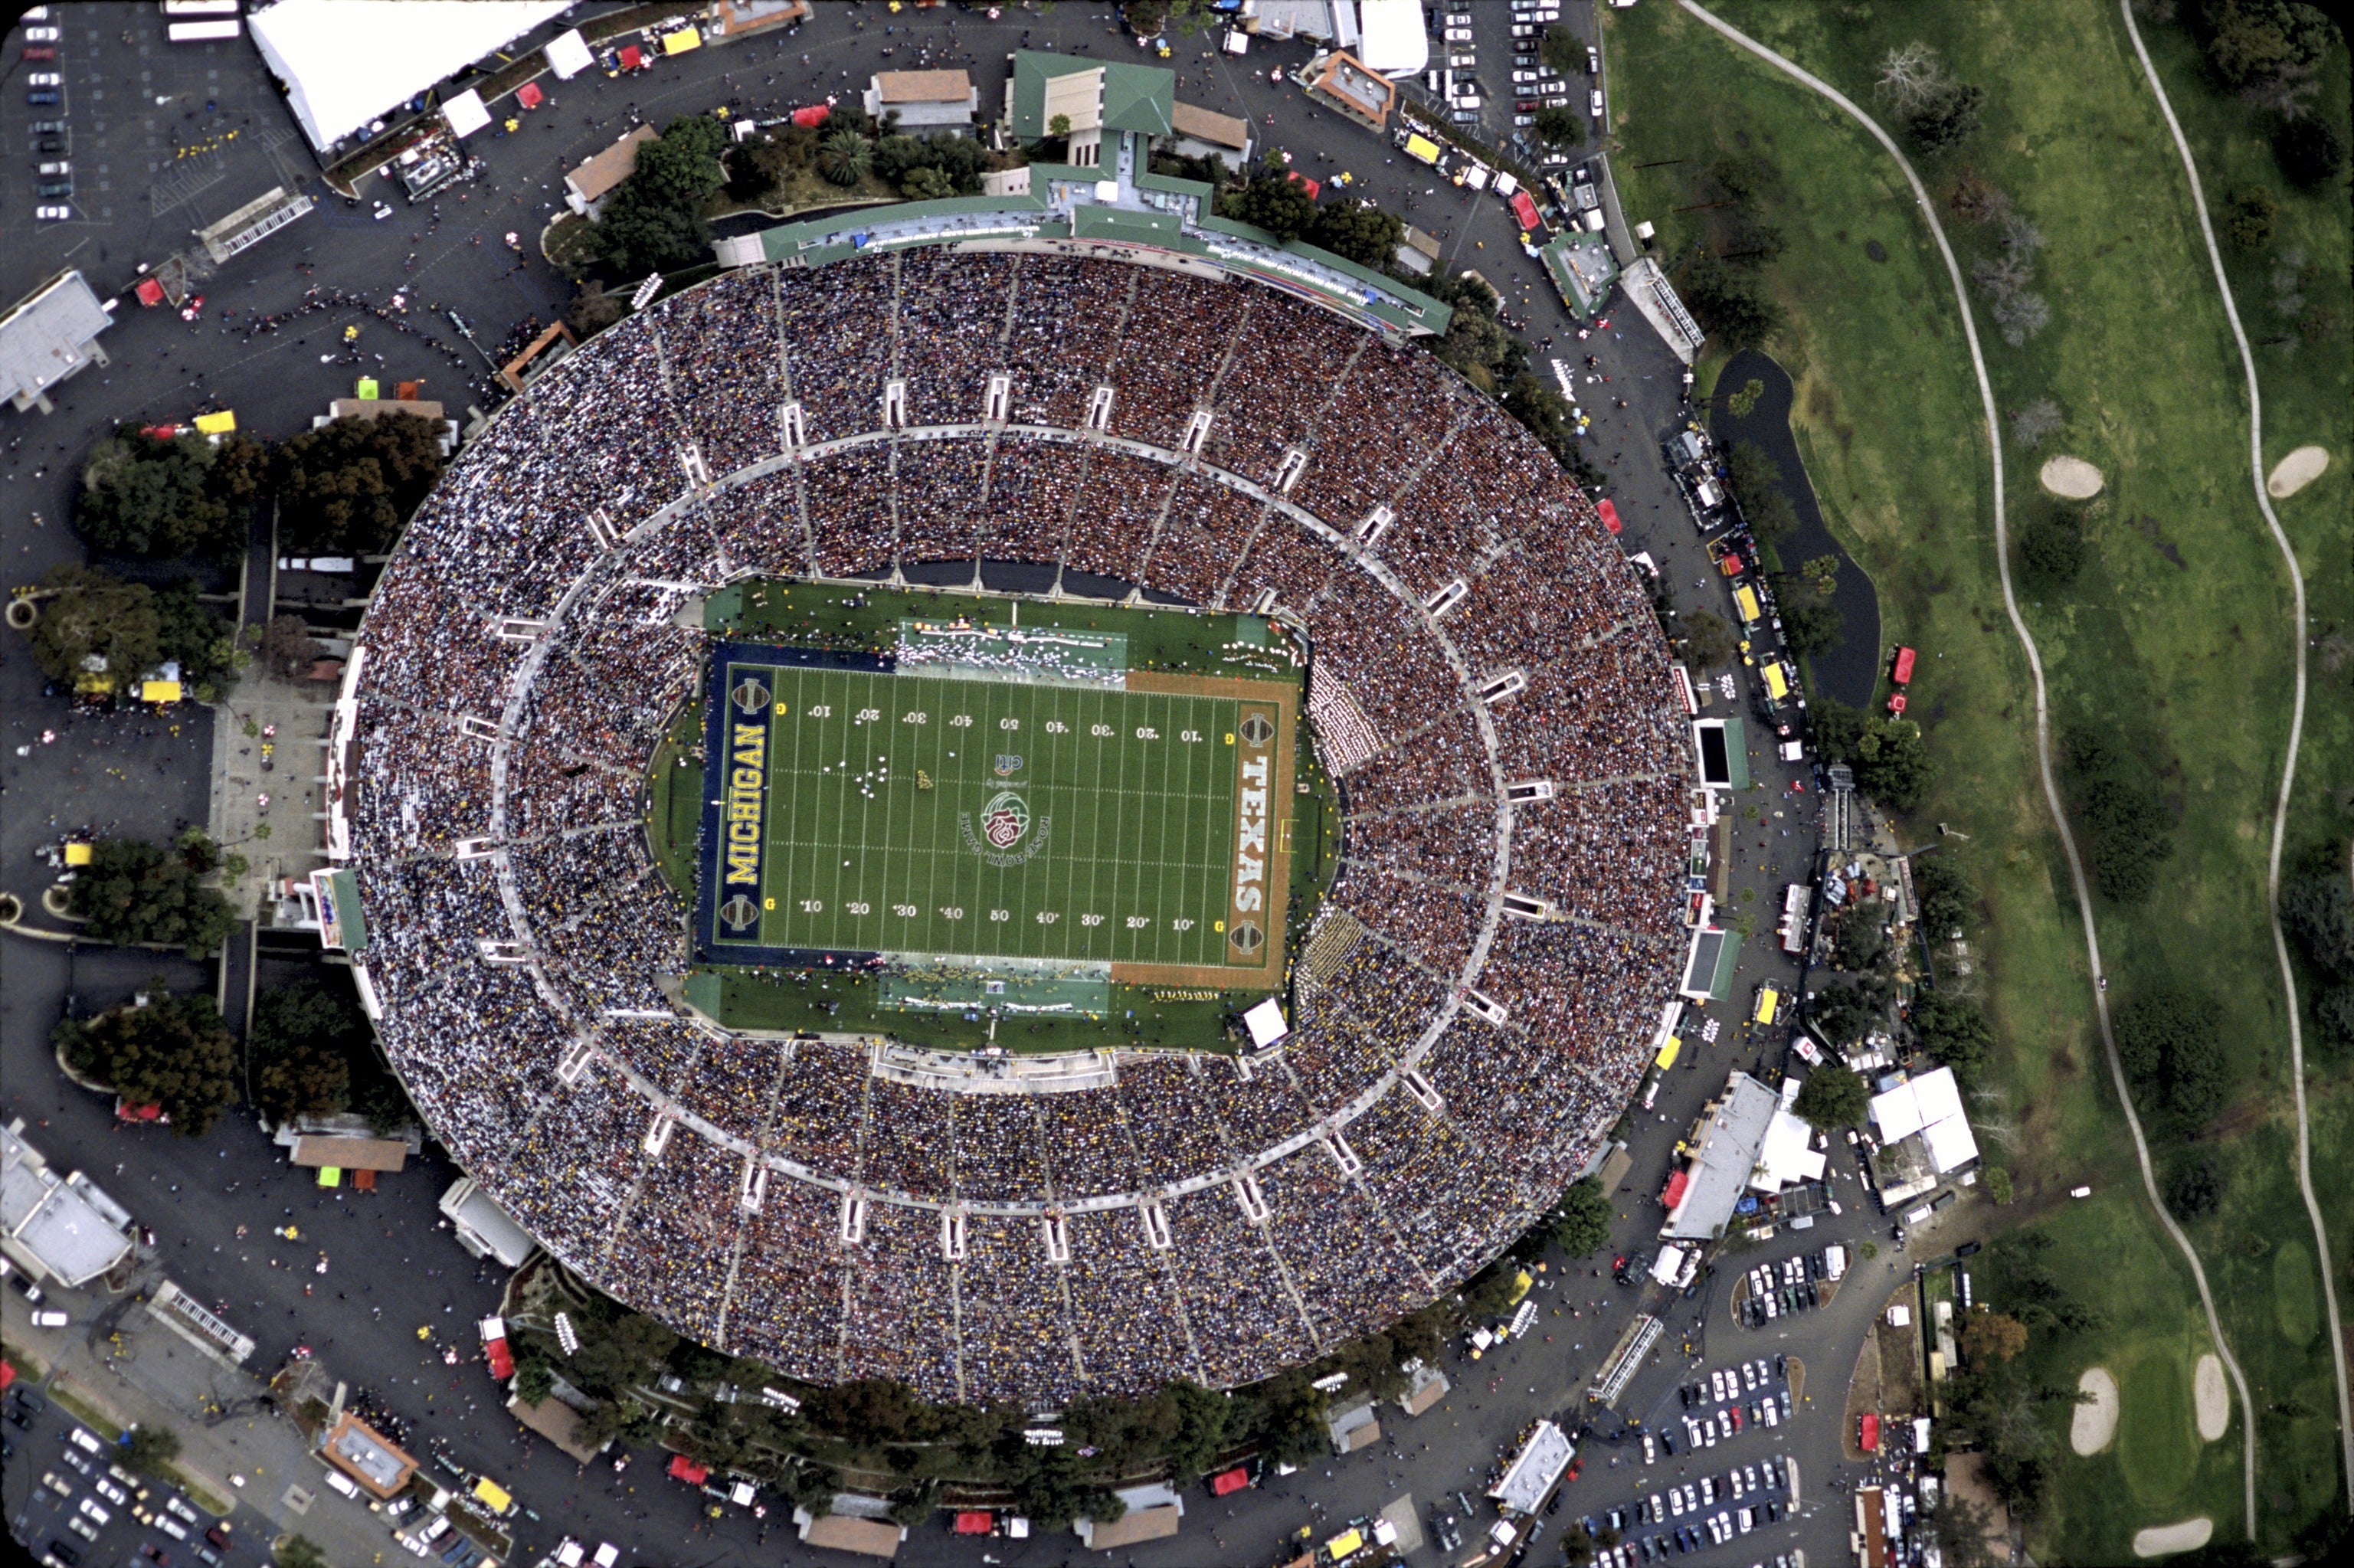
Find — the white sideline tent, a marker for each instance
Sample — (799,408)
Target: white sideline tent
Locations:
(345,62)
(1930,1105)
(1394,37)
(568,55)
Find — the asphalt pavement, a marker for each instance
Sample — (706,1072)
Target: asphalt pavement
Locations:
(167,167)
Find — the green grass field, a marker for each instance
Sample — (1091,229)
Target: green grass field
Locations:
(912,814)
(2179,624)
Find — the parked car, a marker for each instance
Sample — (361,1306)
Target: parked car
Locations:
(54,189)
(41,35)
(46,127)
(49,1317)
(55,168)
(39,52)
(42,98)
(44,78)
(1594,104)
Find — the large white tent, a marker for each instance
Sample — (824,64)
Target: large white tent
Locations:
(345,62)
(1930,1105)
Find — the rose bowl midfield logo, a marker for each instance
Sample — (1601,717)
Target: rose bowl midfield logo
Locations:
(1005,823)
(1005,819)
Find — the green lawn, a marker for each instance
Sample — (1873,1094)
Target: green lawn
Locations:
(2177,628)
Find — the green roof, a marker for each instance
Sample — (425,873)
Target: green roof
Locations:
(1142,99)
(808,242)
(1137,98)
(1118,223)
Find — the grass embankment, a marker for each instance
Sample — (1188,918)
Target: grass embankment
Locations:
(2191,659)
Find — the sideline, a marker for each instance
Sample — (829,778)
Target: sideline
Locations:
(2295,735)
(2044,740)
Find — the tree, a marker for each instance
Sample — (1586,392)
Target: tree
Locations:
(350,484)
(926,184)
(133,891)
(142,495)
(1730,302)
(1708,640)
(2194,1189)
(2032,424)
(1060,125)
(303,1042)
(1846,1010)
(1476,345)
(1271,200)
(2170,1043)
(534,1380)
(652,221)
(1952,1029)
(2309,152)
(297,1551)
(1993,1336)
(1911,78)
(1832,1096)
(2248,217)
(844,157)
(1946,894)
(2127,821)
(1359,233)
(192,634)
(681,166)
(93,615)
(1958,1527)
(1560,127)
(1861,939)
(2051,550)
(1750,473)
(1948,120)
(173,1052)
(149,1450)
(2316,913)
(2020,316)
(286,648)
(1810,624)
(1891,764)
(1580,1222)
(2248,42)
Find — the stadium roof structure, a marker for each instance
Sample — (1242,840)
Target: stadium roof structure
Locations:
(345,62)
(64,1228)
(1071,209)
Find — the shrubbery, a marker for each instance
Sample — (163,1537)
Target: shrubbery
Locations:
(2126,820)
(2169,1042)
(173,1052)
(166,499)
(132,891)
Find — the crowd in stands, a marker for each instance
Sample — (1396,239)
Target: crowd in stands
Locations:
(532,640)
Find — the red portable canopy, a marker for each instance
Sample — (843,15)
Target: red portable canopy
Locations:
(1304,183)
(1867,1436)
(974,1522)
(1226,1481)
(529,95)
(631,57)
(1673,1192)
(812,116)
(1904,671)
(150,291)
(1608,509)
(502,1360)
(687,1470)
(1526,211)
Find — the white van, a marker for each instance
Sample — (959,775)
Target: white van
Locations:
(170,1526)
(342,1483)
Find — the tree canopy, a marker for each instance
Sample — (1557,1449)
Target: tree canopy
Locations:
(1355,232)
(132,628)
(1270,199)
(351,484)
(142,495)
(1890,761)
(303,1042)
(1948,897)
(2169,1042)
(652,221)
(1952,1029)
(2129,825)
(1832,1096)
(173,1052)
(132,891)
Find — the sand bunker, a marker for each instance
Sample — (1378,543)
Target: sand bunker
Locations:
(2214,1401)
(2071,479)
(2296,471)
(2095,1423)
(2160,1540)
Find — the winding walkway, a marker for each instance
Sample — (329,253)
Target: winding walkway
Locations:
(2043,736)
(2288,769)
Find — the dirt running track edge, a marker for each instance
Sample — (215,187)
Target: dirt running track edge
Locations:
(2043,731)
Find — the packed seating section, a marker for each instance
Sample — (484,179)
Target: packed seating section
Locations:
(579,511)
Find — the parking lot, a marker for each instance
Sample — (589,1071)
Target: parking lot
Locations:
(87,1509)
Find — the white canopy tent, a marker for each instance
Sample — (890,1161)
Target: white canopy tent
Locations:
(466,113)
(345,62)
(568,55)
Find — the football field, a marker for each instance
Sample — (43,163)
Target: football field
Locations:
(925,815)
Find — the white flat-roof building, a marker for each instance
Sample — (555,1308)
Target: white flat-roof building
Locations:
(49,335)
(62,1228)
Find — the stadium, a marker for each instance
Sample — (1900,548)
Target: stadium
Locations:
(834,757)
